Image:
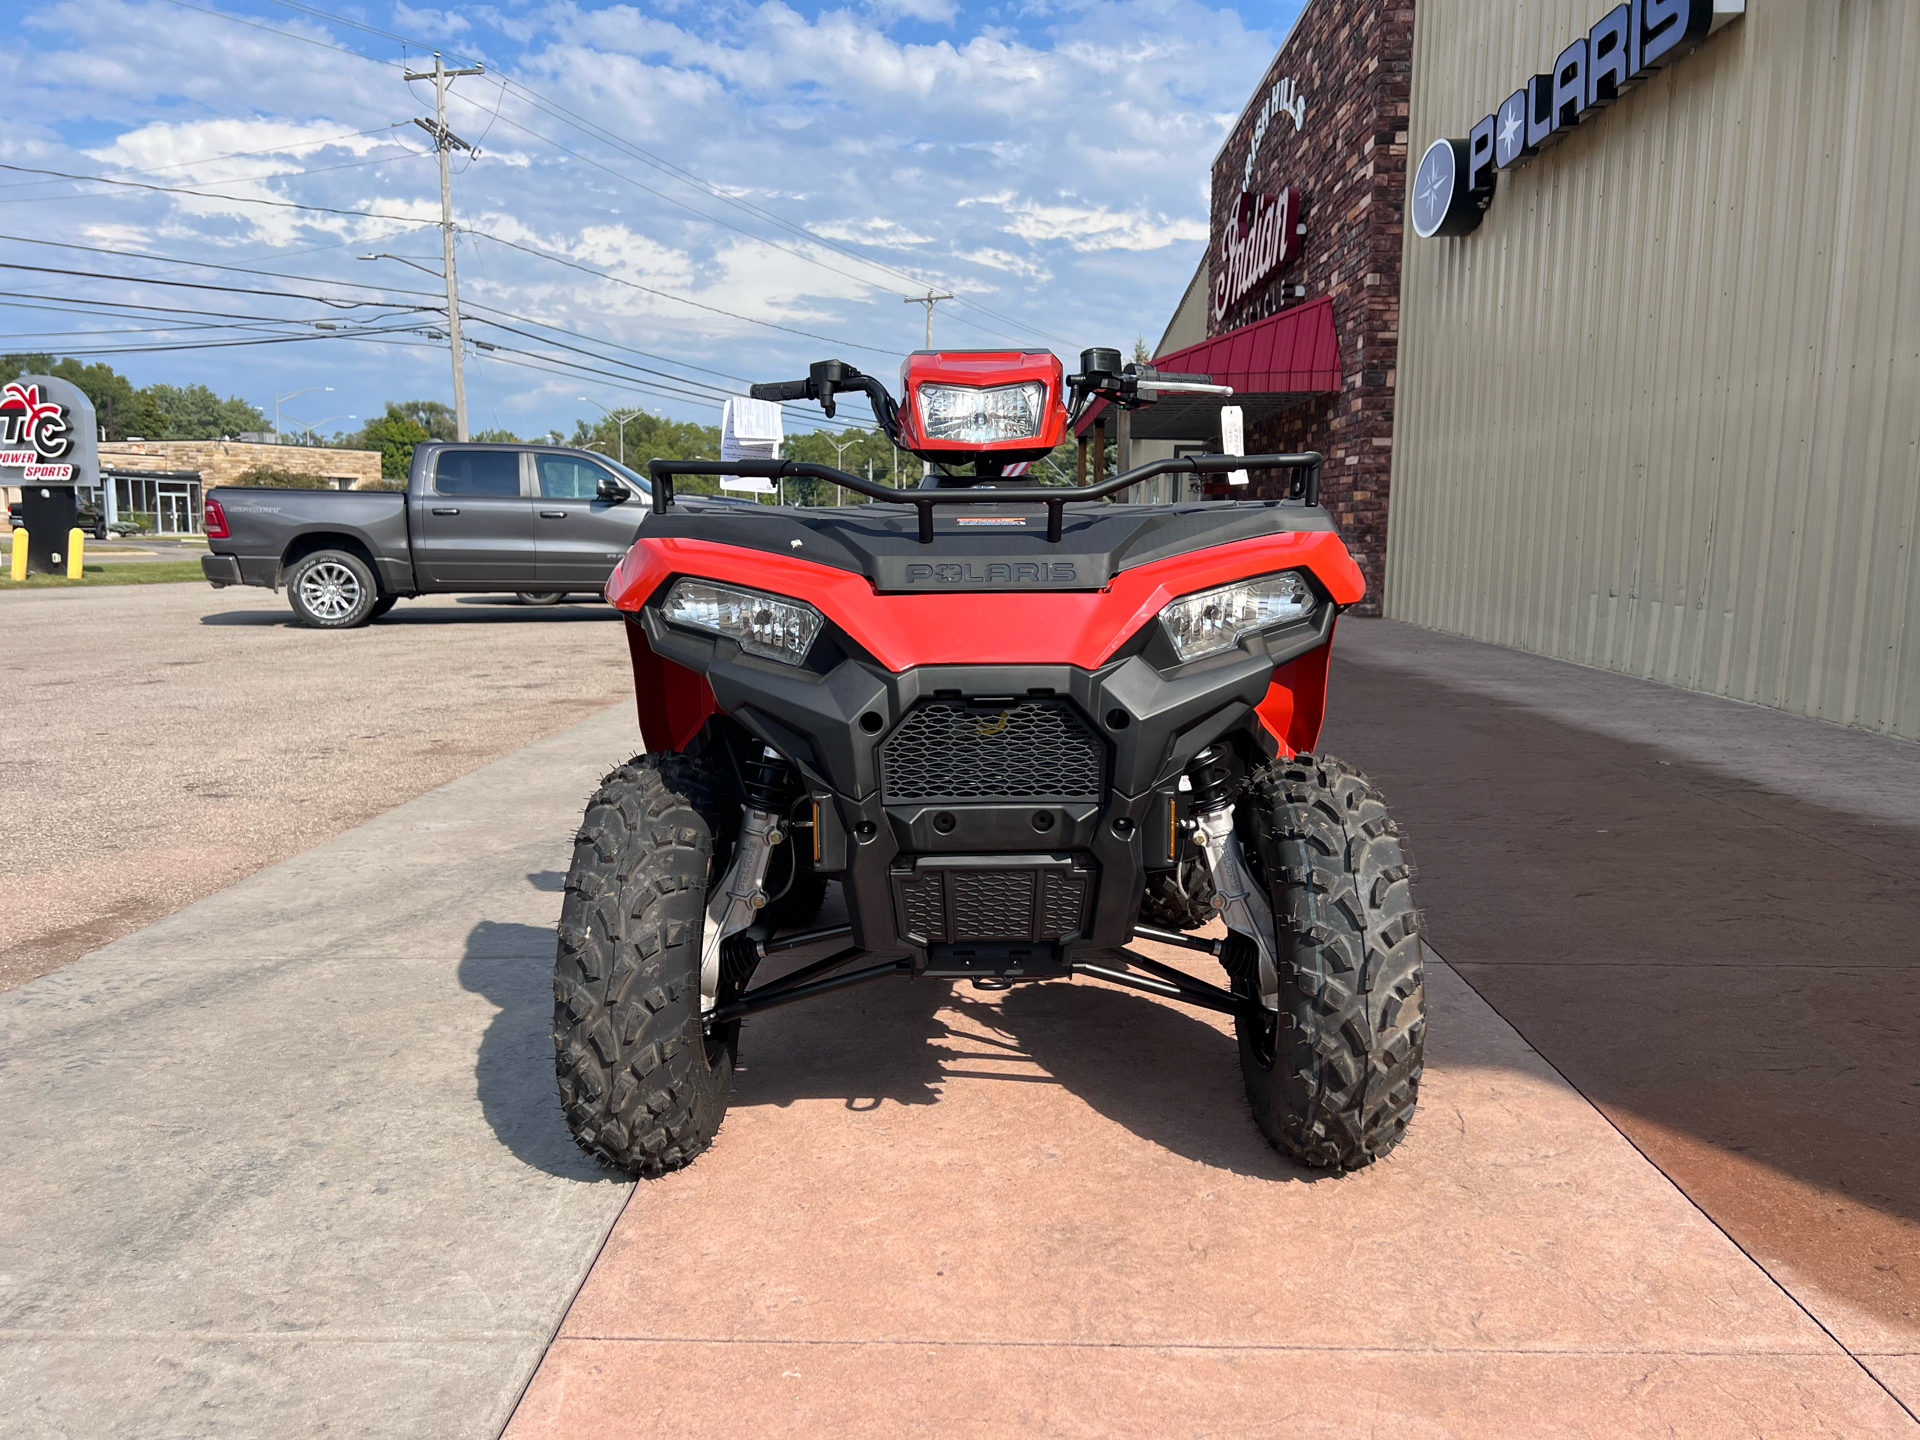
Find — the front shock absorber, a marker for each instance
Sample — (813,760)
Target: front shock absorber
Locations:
(1216,775)
(769,781)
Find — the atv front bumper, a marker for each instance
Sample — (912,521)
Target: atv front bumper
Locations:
(994,820)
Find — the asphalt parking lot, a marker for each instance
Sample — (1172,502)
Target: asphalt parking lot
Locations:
(165,740)
(288,1160)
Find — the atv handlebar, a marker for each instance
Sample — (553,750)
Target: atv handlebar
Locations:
(1055,499)
(827,378)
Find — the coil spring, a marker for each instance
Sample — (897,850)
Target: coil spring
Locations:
(1215,777)
(769,781)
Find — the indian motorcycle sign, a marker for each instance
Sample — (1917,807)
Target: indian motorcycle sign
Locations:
(46,433)
(1261,237)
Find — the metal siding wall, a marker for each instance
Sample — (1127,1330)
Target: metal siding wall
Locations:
(1661,412)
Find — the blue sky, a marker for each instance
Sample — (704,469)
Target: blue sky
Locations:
(642,168)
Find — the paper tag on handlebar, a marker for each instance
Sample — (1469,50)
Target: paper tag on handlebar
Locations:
(1233,440)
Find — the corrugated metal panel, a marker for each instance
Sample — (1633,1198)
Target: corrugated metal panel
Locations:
(1661,412)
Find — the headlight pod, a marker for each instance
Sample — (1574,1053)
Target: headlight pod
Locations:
(1215,620)
(970,415)
(765,625)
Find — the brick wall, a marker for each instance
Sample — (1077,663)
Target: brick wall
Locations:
(221,461)
(1351,60)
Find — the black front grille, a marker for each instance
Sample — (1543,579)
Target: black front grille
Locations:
(1035,749)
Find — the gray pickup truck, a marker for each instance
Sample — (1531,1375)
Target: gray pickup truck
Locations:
(533,520)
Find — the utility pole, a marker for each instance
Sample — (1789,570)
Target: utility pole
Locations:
(446,142)
(929,300)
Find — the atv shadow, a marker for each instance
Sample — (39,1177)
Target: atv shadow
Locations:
(1159,1070)
(512,967)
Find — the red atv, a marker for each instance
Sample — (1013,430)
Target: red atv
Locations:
(1022,726)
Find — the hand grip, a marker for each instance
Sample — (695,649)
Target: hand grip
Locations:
(781,390)
(446,509)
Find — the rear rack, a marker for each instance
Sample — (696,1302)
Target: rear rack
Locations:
(1055,499)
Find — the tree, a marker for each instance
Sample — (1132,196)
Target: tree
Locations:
(194,412)
(394,435)
(430,415)
(123,410)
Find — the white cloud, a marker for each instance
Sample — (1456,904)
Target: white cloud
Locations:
(1047,160)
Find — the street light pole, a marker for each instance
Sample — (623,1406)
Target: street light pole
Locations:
(446,142)
(288,396)
(839,452)
(621,418)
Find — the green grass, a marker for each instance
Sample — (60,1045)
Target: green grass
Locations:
(156,572)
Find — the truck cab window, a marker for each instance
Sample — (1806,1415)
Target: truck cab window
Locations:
(568,477)
(477,472)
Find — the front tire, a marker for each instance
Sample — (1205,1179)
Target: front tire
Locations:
(642,1084)
(540,597)
(332,590)
(1334,1077)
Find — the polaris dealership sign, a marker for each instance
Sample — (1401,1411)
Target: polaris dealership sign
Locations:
(47,433)
(1455,181)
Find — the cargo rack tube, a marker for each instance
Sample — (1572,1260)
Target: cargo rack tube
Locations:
(1054,498)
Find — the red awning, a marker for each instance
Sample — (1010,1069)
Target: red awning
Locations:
(1293,353)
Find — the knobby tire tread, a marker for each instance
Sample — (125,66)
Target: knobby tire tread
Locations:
(641,1086)
(1348,1044)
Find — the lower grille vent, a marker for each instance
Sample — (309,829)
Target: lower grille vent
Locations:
(944,899)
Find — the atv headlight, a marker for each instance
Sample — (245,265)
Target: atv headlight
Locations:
(764,625)
(1214,620)
(967,415)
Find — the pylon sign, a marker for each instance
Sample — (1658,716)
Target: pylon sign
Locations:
(48,435)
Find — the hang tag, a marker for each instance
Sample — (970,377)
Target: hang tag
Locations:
(1233,440)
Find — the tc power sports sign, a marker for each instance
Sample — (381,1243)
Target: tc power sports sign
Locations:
(46,433)
(1454,185)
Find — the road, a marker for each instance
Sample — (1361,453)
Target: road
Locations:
(165,740)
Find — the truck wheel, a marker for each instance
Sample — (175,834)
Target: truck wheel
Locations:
(1334,1076)
(642,1085)
(331,590)
(540,597)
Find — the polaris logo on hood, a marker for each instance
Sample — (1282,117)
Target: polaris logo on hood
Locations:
(986,570)
(988,573)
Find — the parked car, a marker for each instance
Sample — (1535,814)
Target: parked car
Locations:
(537,521)
(91,517)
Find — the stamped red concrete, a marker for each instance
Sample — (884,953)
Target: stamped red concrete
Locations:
(937,1211)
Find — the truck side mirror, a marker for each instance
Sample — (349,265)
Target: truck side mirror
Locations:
(611,489)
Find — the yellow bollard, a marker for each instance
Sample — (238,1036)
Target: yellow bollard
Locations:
(76,553)
(20,554)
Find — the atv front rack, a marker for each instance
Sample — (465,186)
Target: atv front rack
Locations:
(1055,498)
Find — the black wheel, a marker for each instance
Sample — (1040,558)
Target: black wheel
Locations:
(1180,898)
(540,597)
(382,606)
(642,1083)
(1333,1078)
(332,590)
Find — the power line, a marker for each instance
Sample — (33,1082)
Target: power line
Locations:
(234,199)
(247,155)
(665,295)
(561,113)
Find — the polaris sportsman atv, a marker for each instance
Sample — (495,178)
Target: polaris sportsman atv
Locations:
(1021,726)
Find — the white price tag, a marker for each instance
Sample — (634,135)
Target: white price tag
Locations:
(1233,440)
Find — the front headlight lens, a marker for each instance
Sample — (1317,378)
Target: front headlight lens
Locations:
(966,415)
(1215,620)
(763,625)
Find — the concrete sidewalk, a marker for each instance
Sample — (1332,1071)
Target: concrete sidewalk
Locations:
(289,1161)
(1702,913)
